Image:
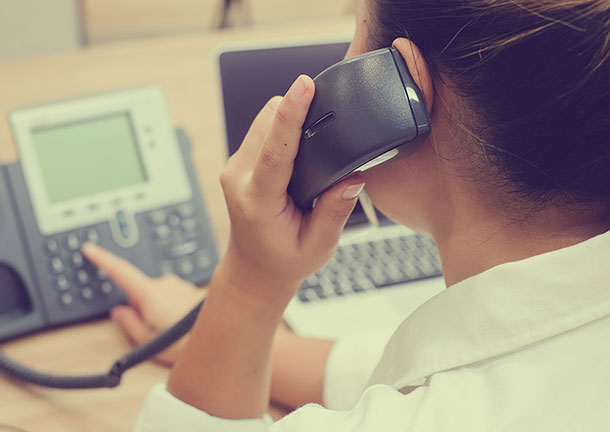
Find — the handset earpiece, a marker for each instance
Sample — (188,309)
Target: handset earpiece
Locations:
(365,110)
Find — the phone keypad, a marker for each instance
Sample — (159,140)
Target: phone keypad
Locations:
(176,232)
(178,247)
(76,280)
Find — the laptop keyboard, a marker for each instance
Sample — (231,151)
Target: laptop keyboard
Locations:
(373,265)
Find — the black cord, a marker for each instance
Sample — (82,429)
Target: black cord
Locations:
(113,378)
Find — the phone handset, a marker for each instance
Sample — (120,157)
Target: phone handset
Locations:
(366,111)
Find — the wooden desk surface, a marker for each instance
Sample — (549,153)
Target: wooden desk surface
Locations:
(185,68)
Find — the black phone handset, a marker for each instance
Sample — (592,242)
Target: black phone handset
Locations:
(366,110)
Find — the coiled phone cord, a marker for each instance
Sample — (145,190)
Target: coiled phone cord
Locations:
(113,378)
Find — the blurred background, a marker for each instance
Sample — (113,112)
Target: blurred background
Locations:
(33,27)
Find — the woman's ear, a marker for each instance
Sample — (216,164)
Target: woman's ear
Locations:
(418,67)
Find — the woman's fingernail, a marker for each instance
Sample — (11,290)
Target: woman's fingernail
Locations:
(298,89)
(89,247)
(352,192)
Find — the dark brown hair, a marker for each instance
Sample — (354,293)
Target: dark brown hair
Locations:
(536,76)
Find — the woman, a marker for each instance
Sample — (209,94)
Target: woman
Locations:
(513,185)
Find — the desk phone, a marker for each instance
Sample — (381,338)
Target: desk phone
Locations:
(109,169)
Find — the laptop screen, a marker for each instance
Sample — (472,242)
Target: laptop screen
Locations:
(249,78)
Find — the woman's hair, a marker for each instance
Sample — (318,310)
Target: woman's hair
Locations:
(535,76)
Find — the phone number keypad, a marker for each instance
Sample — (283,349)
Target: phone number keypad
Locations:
(76,280)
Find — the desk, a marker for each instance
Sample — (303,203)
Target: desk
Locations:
(184,67)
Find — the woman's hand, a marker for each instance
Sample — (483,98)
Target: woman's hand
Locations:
(154,304)
(272,241)
(225,367)
(157,304)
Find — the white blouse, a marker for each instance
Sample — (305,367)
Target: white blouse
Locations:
(524,346)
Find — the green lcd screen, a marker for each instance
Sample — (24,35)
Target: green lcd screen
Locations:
(88,157)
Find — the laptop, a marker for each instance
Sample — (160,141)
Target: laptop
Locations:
(380,274)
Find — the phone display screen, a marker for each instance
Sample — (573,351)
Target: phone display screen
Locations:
(88,157)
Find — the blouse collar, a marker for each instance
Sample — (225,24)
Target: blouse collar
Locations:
(499,311)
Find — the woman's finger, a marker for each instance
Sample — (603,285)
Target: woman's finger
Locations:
(258,130)
(132,324)
(125,275)
(274,164)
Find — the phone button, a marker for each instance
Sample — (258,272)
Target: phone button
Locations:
(190,227)
(166,268)
(181,250)
(87,294)
(157,217)
(162,233)
(203,260)
(73,242)
(82,277)
(62,283)
(174,220)
(57,265)
(52,247)
(67,300)
(107,288)
(92,236)
(77,260)
(186,267)
(186,210)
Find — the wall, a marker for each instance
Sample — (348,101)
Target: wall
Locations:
(31,27)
